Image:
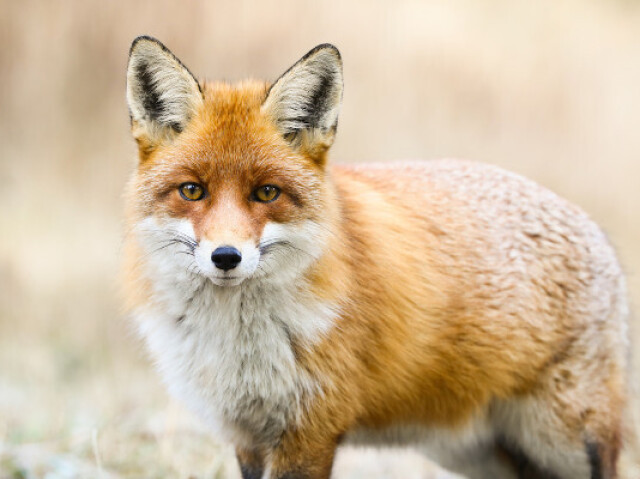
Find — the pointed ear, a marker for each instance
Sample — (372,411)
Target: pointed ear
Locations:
(305,101)
(162,94)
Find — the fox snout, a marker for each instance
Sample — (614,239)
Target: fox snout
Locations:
(228,262)
(228,258)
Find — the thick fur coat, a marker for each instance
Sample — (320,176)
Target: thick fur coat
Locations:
(294,305)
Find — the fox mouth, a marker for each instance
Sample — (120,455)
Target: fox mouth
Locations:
(226,281)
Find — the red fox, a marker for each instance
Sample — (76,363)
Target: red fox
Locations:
(296,306)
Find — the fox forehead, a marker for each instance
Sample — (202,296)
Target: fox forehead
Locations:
(230,116)
(228,127)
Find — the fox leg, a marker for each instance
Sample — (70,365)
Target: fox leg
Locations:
(486,462)
(300,456)
(598,460)
(251,463)
(522,466)
(546,439)
(286,462)
(492,465)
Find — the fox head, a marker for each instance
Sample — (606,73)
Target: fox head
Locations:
(231,183)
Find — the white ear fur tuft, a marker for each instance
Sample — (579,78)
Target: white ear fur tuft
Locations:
(307,97)
(161,92)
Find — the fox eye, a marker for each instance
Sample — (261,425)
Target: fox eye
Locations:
(191,191)
(266,193)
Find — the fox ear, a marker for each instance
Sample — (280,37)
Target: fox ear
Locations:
(162,94)
(305,101)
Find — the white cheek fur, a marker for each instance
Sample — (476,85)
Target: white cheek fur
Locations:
(295,248)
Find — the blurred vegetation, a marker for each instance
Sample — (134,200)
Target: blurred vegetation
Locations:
(548,89)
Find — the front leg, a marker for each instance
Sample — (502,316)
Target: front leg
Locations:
(251,463)
(302,456)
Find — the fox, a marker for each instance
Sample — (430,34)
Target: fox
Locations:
(296,305)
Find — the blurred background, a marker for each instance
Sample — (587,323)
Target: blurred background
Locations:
(548,89)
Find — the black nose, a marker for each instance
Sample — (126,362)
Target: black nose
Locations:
(226,257)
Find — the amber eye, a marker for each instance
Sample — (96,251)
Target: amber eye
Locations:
(266,193)
(191,191)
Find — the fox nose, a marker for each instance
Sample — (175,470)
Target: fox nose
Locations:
(226,257)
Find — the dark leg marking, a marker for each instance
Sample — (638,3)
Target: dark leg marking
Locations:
(250,472)
(522,465)
(595,461)
(293,475)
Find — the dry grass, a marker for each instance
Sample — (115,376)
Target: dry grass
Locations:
(547,88)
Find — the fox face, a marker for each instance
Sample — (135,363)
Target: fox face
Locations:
(231,180)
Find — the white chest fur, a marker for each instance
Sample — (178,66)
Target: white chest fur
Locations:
(227,353)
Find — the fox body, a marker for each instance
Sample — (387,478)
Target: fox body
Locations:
(296,306)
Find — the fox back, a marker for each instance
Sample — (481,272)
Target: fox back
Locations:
(295,305)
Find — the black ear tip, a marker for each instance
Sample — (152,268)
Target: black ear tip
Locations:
(145,39)
(325,48)
(328,46)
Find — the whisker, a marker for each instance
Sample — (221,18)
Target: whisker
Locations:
(173,240)
(266,248)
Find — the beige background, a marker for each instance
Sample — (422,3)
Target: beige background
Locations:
(549,89)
